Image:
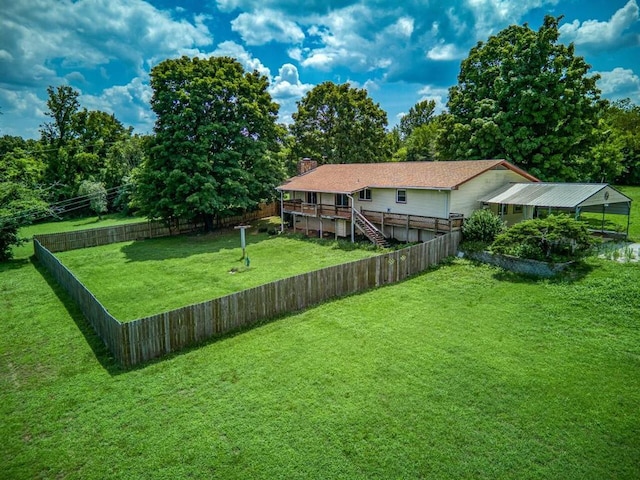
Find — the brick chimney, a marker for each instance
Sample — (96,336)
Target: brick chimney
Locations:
(306,165)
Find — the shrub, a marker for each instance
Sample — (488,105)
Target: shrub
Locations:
(557,238)
(482,226)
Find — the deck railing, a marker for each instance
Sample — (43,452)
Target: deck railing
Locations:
(436,224)
(316,209)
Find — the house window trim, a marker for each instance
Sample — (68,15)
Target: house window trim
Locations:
(362,195)
(312,198)
(398,195)
(518,209)
(342,196)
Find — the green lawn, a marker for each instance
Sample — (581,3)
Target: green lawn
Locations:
(462,372)
(69,225)
(136,279)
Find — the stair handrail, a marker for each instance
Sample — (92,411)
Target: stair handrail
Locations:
(366,221)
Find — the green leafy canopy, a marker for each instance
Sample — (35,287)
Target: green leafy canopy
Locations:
(527,98)
(216,135)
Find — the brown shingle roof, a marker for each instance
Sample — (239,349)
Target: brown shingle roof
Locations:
(349,178)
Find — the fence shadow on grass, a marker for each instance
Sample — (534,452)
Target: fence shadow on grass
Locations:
(101,352)
(185,246)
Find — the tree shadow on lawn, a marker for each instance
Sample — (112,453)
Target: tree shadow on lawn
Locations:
(14,264)
(102,353)
(184,246)
(574,273)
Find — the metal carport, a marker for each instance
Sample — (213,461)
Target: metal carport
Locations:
(568,197)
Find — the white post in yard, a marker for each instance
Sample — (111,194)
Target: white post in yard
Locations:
(243,241)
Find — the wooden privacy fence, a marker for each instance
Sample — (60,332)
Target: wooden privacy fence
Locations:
(140,340)
(61,242)
(108,328)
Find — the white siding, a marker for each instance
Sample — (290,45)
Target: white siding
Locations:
(465,199)
(428,203)
(613,196)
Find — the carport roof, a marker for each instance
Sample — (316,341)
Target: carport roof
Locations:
(558,195)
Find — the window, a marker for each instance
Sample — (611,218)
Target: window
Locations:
(365,195)
(312,197)
(517,209)
(504,209)
(342,200)
(401,196)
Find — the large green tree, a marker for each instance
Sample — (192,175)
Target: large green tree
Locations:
(20,192)
(215,136)
(623,117)
(78,144)
(527,98)
(422,113)
(340,124)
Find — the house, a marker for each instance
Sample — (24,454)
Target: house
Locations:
(521,201)
(408,201)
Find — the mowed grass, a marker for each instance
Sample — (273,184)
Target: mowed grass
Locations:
(68,225)
(462,372)
(137,279)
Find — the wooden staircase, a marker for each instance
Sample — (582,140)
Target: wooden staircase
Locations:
(369,230)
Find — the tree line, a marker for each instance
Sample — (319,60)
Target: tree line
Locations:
(218,148)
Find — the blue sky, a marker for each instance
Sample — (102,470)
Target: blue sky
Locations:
(401,52)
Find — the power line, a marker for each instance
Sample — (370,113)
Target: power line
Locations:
(61,207)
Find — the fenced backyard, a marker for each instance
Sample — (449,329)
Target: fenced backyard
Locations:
(135,342)
(61,242)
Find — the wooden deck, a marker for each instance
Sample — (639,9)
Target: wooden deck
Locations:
(316,209)
(451,224)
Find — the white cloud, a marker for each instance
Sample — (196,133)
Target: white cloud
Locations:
(445,52)
(129,102)
(22,113)
(620,83)
(286,89)
(493,15)
(287,84)
(604,35)
(88,34)
(264,26)
(402,28)
(234,50)
(437,94)
(359,37)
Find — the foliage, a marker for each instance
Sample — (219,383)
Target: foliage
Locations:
(557,238)
(482,226)
(23,166)
(19,206)
(624,118)
(215,143)
(527,98)
(603,163)
(421,144)
(422,113)
(63,104)
(97,195)
(84,145)
(339,124)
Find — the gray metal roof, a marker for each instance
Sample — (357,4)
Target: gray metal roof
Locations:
(558,195)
